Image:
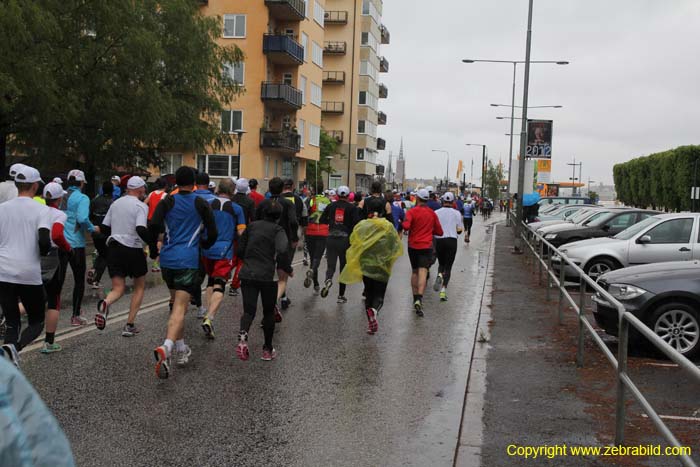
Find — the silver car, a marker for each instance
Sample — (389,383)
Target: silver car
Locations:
(665,237)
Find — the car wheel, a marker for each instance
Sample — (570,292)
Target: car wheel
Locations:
(678,324)
(599,266)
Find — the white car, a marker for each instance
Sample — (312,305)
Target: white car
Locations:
(660,238)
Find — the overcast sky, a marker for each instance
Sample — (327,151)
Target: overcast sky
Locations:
(632,88)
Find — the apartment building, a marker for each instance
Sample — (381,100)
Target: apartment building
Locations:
(352,89)
(278,117)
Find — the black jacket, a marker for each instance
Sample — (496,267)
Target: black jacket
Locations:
(247,204)
(263,247)
(341,217)
(288,220)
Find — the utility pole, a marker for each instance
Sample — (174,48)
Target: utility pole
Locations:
(573,175)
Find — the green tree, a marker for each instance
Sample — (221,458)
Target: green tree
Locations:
(492,182)
(316,169)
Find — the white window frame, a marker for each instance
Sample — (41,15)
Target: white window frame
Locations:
(301,128)
(230,73)
(235,18)
(372,41)
(371,100)
(316,95)
(306,8)
(305,45)
(370,129)
(317,54)
(231,158)
(302,88)
(368,69)
(314,135)
(231,130)
(169,166)
(319,13)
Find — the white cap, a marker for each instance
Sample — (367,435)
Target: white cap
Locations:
(242,186)
(53,191)
(14,168)
(429,189)
(135,183)
(343,191)
(26,174)
(212,185)
(78,175)
(58,180)
(331,193)
(423,194)
(115,178)
(449,197)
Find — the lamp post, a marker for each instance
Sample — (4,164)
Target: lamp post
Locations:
(483,163)
(447,174)
(239,133)
(589,186)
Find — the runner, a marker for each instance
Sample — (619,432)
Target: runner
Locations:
(446,244)
(51,265)
(422,224)
(398,212)
(126,228)
(25,236)
(468,213)
(341,217)
(316,236)
(376,205)
(254,195)
(262,248)
(160,191)
(181,217)
(77,223)
(218,260)
(98,210)
(203,191)
(241,198)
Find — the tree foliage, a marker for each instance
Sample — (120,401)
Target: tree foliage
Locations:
(660,181)
(492,182)
(328,149)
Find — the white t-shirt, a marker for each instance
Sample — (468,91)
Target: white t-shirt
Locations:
(8,191)
(450,219)
(20,221)
(124,215)
(56,216)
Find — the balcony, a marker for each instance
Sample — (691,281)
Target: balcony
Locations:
(332,107)
(286,10)
(337,135)
(282,49)
(386,37)
(284,141)
(383,91)
(281,96)
(203,2)
(335,17)
(381,118)
(334,77)
(383,65)
(334,48)
(381,144)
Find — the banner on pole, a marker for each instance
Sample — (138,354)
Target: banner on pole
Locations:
(539,139)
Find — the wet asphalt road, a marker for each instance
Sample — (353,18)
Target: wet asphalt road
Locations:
(334,396)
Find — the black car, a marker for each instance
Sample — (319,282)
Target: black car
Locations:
(665,296)
(609,224)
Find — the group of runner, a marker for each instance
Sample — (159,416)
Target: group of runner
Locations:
(219,233)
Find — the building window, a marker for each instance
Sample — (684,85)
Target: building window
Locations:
(367,69)
(234,74)
(219,165)
(287,169)
(287,79)
(335,182)
(305,45)
(171,162)
(316,94)
(314,135)
(319,13)
(368,9)
(368,99)
(267,167)
(360,154)
(317,54)
(302,88)
(231,120)
(234,26)
(301,128)
(369,40)
(306,8)
(365,127)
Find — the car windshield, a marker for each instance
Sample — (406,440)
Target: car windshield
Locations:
(636,228)
(551,208)
(579,215)
(595,217)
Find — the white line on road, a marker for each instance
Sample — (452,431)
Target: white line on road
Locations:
(676,417)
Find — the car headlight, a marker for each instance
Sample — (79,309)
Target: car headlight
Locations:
(550,236)
(625,291)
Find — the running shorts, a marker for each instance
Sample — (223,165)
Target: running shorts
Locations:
(420,258)
(123,261)
(217,268)
(53,291)
(187,280)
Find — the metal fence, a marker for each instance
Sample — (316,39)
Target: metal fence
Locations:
(537,246)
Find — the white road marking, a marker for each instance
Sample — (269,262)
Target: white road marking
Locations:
(676,417)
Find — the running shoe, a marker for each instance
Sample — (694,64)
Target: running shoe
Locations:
(90,277)
(78,320)
(11,354)
(96,285)
(309,278)
(438,282)
(130,330)
(372,324)
(156,266)
(418,306)
(317,289)
(268,355)
(101,316)
(51,348)
(201,312)
(443,295)
(278,315)
(326,288)
(183,357)
(162,362)
(342,299)
(242,348)
(285,302)
(232,292)
(208,328)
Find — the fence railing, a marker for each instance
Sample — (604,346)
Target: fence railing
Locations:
(537,246)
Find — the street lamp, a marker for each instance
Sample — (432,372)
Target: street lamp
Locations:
(447,174)
(483,162)
(239,132)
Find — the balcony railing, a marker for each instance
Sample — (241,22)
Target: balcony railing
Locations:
(386,37)
(282,96)
(337,135)
(383,65)
(281,141)
(333,107)
(381,144)
(283,49)
(335,17)
(334,48)
(383,91)
(286,10)
(334,77)
(381,118)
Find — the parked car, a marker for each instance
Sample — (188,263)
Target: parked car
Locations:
(563,215)
(578,217)
(564,200)
(660,238)
(665,296)
(607,224)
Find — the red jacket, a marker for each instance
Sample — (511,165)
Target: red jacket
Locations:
(256,197)
(422,223)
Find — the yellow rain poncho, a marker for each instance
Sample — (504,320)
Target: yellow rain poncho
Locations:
(374,248)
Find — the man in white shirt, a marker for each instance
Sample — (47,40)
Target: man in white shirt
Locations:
(25,236)
(446,244)
(8,190)
(126,226)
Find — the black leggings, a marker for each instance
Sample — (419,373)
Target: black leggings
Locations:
(374,292)
(77,265)
(34,301)
(317,245)
(468,221)
(268,295)
(446,249)
(100,263)
(335,251)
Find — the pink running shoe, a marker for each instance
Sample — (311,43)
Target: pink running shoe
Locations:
(278,315)
(372,323)
(242,348)
(269,355)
